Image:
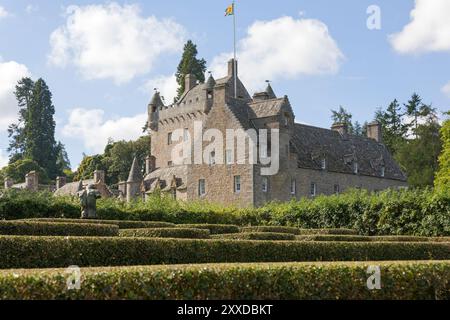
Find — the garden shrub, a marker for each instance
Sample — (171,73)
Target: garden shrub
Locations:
(297,231)
(262,281)
(122,224)
(187,233)
(49,252)
(256,236)
(57,229)
(213,228)
(325,237)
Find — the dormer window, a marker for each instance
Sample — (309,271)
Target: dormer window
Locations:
(355,168)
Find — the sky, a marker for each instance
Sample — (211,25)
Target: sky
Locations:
(102,59)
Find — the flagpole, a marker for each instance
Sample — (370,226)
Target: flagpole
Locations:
(234,43)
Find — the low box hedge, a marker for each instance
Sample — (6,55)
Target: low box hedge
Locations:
(266,281)
(186,233)
(297,231)
(123,224)
(49,252)
(213,228)
(327,237)
(256,236)
(38,228)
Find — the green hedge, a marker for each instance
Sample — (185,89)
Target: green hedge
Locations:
(56,229)
(122,224)
(297,231)
(320,237)
(256,236)
(391,212)
(268,281)
(187,233)
(49,252)
(213,228)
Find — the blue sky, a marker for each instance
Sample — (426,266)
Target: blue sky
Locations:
(102,66)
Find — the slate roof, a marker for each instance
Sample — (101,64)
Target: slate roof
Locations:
(72,188)
(312,144)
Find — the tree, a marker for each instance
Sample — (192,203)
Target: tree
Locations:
(87,167)
(189,64)
(17,171)
(393,129)
(62,158)
(416,110)
(442,181)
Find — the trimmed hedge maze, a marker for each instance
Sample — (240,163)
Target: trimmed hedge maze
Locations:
(160,260)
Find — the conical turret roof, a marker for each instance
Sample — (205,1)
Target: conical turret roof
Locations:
(270,92)
(156,100)
(135,172)
(210,83)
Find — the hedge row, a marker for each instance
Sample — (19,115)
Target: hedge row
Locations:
(268,281)
(49,252)
(371,238)
(36,228)
(213,228)
(297,231)
(123,224)
(256,236)
(186,233)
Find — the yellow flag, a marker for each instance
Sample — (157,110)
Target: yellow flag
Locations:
(230,10)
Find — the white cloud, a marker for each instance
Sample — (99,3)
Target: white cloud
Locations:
(3,13)
(31,8)
(3,159)
(94,131)
(113,41)
(166,85)
(283,48)
(428,30)
(10,73)
(446,89)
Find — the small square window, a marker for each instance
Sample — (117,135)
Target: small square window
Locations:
(170,164)
(313,189)
(186,134)
(383,171)
(265,184)
(323,164)
(237,184)
(169,138)
(201,187)
(355,168)
(293,186)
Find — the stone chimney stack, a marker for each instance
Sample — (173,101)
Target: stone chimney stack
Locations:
(60,182)
(150,164)
(342,128)
(8,183)
(134,181)
(32,181)
(374,131)
(190,81)
(99,176)
(232,67)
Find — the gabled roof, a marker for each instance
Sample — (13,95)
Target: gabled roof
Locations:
(269,108)
(312,144)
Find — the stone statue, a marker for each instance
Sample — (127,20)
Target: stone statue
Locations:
(88,199)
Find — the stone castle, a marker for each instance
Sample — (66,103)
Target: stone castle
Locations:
(312,160)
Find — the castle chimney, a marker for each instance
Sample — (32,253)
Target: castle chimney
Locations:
(342,128)
(32,181)
(150,164)
(374,131)
(190,82)
(60,182)
(99,176)
(8,183)
(232,67)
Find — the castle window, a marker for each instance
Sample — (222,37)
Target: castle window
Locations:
(237,184)
(229,156)
(313,189)
(169,138)
(212,158)
(383,169)
(336,189)
(355,168)
(201,187)
(186,134)
(323,164)
(170,164)
(293,186)
(210,96)
(265,184)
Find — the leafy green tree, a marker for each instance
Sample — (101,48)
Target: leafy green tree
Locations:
(62,158)
(17,171)
(442,181)
(189,64)
(87,167)
(393,129)
(417,110)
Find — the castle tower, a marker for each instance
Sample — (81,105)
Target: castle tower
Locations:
(134,181)
(153,111)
